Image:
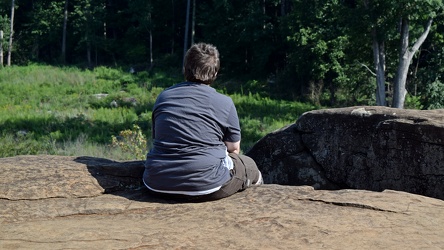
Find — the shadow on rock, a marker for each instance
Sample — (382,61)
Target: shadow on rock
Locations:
(120,178)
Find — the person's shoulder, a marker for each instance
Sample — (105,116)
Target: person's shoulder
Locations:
(221,97)
(171,89)
(175,86)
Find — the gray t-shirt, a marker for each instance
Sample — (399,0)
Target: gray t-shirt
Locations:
(191,121)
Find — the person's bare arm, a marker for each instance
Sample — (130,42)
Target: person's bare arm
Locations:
(233,147)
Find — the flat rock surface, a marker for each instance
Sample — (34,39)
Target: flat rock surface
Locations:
(55,202)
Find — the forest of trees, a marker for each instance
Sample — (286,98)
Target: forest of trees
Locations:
(330,52)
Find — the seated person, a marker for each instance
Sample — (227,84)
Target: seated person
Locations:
(196,137)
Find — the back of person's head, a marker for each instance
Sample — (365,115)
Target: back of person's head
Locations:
(201,63)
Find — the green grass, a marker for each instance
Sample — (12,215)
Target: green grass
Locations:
(261,115)
(50,110)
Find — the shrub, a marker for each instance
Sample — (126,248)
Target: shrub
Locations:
(131,141)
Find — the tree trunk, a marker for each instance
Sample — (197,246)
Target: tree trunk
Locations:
(11,33)
(65,22)
(264,13)
(173,28)
(405,58)
(379,61)
(151,49)
(187,24)
(283,7)
(193,22)
(151,40)
(88,34)
(1,48)
(88,54)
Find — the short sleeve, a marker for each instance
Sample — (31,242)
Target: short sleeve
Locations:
(233,131)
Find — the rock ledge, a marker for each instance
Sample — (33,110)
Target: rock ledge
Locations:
(55,202)
(370,148)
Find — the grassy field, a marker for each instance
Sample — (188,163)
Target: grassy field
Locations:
(105,112)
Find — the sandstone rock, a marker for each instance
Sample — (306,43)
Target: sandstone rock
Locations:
(55,202)
(371,148)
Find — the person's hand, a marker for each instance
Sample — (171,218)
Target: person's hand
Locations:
(233,147)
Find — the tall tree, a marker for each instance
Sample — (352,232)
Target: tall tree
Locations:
(378,46)
(187,24)
(42,30)
(318,48)
(65,22)
(248,37)
(151,40)
(1,48)
(173,27)
(4,22)
(142,16)
(388,21)
(11,32)
(193,22)
(405,58)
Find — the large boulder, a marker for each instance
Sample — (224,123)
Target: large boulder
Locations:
(56,202)
(371,148)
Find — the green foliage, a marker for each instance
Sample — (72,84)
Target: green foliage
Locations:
(68,111)
(248,38)
(23,143)
(62,103)
(5,27)
(261,115)
(107,73)
(289,48)
(435,93)
(320,50)
(413,102)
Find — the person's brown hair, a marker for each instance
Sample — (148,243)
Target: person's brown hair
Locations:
(201,63)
